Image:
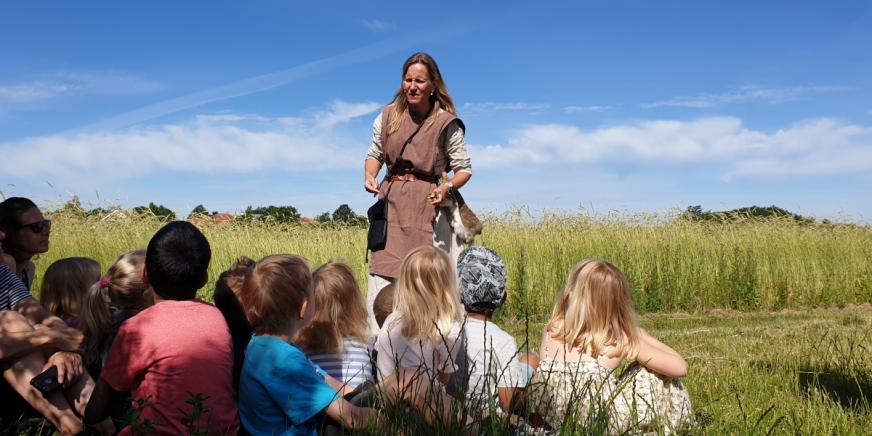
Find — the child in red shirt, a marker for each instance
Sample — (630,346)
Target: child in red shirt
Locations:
(175,349)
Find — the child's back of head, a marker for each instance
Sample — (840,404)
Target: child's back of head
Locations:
(66,284)
(274,293)
(127,294)
(177,261)
(383,304)
(228,289)
(594,310)
(481,276)
(425,294)
(339,310)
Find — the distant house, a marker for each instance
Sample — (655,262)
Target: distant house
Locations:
(222,218)
(307,219)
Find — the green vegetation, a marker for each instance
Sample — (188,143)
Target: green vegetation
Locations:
(752,304)
(672,264)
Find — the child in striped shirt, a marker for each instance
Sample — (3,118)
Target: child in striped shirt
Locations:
(338,338)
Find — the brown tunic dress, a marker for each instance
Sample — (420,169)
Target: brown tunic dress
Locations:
(410,215)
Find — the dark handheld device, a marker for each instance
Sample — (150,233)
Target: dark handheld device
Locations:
(47,381)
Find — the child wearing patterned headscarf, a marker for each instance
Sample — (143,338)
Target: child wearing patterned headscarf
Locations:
(495,371)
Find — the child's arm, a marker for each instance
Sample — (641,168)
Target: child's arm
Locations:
(659,357)
(98,406)
(511,398)
(350,416)
(343,388)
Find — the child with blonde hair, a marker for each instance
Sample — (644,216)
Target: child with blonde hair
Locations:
(337,339)
(592,330)
(65,286)
(422,332)
(280,390)
(110,301)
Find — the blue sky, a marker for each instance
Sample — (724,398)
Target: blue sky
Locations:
(630,106)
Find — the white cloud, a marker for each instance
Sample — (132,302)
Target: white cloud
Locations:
(742,95)
(814,147)
(341,112)
(580,109)
(249,143)
(489,106)
(76,83)
(378,26)
(233,143)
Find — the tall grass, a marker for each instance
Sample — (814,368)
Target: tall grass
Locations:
(672,265)
(791,372)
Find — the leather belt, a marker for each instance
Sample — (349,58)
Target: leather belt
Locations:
(411,177)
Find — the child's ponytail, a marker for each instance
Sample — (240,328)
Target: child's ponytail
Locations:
(95,318)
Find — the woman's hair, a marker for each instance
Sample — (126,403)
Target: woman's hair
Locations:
(595,310)
(123,288)
(426,297)
(274,291)
(439,100)
(66,284)
(11,210)
(340,311)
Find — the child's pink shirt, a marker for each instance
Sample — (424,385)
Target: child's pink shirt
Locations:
(169,350)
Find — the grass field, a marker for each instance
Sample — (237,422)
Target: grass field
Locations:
(772,316)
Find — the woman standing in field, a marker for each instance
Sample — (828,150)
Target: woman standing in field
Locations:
(420,138)
(27,233)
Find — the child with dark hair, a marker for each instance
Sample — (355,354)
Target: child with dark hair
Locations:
(383,304)
(494,369)
(228,289)
(175,349)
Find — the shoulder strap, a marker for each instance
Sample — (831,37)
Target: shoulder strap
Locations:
(390,171)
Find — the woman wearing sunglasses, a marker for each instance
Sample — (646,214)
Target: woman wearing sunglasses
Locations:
(27,233)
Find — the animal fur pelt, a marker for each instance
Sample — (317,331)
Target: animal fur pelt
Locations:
(464,223)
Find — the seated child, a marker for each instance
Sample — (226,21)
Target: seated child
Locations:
(494,369)
(422,332)
(65,286)
(228,289)
(176,348)
(383,305)
(337,339)
(280,390)
(592,330)
(110,301)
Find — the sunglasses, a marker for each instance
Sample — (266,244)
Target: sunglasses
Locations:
(38,226)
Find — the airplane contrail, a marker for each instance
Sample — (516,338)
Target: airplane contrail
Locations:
(269,81)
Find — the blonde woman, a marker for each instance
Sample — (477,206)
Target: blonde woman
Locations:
(338,338)
(422,115)
(422,332)
(592,330)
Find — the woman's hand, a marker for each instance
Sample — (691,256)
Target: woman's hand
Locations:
(370,184)
(69,366)
(438,195)
(371,168)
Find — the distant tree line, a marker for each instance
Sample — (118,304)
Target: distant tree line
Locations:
(696,213)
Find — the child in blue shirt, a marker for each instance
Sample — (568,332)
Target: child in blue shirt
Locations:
(281,392)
